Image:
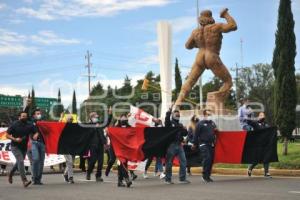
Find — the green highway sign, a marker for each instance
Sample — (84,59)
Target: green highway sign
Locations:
(44,103)
(18,101)
(11,101)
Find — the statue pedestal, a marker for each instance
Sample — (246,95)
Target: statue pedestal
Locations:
(215,103)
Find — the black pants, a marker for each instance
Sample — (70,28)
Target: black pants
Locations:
(97,154)
(207,154)
(266,167)
(82,163)
(107,155)
(122,172)
(111,161)
(148,163)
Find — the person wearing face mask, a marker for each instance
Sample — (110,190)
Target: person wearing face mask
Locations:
(245,114)
(123,166)
(19,133)
(97,145)
(189,140)
(69,172)
(204,139)
(158,164)
(37,151)
(257,125)
(36,148)
(176,147)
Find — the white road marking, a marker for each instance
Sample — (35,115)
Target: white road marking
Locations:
(294,192)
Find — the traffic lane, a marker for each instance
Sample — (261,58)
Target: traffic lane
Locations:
(224,187)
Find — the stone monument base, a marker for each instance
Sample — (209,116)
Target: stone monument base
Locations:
(215,103)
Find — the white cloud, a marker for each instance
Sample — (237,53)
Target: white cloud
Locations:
(179,24)
(62,9)
(183,23)
(13,43)
(2,6)
(50,38)
(149,60)
(16,49)
(28,1)
(152,44)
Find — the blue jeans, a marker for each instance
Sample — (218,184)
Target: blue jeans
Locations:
(158,165)
(38,158)
(175,150)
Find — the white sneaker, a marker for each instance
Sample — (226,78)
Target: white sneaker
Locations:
(162,176)
(145,176)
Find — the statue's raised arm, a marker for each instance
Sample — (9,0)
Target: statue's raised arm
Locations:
(230,25)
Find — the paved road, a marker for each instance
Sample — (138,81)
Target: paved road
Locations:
(224,187)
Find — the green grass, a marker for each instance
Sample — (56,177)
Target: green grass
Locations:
(290,161)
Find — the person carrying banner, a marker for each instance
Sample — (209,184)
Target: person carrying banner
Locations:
(123,166)
(158,164)
(175,148)
(68,172)
(19,133)
(97,145)
(204,139)
(257,125)
(111,159)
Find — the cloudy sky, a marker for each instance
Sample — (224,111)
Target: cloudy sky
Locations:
(43,43)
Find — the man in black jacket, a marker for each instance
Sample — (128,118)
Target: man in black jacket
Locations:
(97,146)
(19,133)
(204,138)
(175,148)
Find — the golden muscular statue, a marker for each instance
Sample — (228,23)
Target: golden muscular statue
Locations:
(208,38)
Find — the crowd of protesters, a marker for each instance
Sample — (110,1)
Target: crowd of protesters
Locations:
(200,134)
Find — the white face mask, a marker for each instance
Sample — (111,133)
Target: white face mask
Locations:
(208,118)
(38,117)
(95,120)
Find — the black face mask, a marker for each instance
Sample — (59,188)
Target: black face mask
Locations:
(123,122)
(176,118)
(262,120)
(24,120)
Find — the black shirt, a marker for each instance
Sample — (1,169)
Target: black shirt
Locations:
(205,132)
(182,132)
(22,130)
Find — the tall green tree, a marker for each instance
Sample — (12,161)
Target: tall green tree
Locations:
(33,102)
(285,93)
(74,103)
(97,90)
(257,84)
(127,87)
(58,108)
(178,79)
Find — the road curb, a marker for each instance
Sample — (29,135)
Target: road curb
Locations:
(243,171)
(219,171)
